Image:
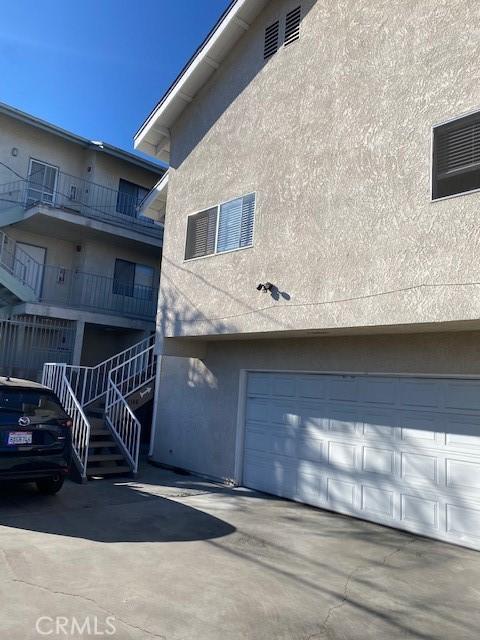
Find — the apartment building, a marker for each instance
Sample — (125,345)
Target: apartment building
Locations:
(79,266)
(319,307)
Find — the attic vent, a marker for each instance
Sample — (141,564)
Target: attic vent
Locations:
(292,25)
(271,40)
(456,157)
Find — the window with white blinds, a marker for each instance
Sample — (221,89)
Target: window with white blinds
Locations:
(235,228)
(226,227)
(456,157)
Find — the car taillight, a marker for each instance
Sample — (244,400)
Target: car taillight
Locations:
(67,423)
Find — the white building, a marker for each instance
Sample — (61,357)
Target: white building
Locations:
(79,267)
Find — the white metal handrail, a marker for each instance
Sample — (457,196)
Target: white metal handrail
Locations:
(55,378)
(124,424)
(123,380)
(91,383)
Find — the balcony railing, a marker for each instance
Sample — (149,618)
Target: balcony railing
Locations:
(75,288)
(81,197)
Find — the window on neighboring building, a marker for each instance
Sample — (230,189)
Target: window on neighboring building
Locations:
(226,227)
(129,196)
(42,181)
(456,157)
(133,280)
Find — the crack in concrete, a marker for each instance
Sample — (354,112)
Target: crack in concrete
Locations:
(13,578)
(350,578)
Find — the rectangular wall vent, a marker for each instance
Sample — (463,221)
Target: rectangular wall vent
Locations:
(292,25)
(271,40)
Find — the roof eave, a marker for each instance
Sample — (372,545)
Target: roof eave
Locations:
(153,137)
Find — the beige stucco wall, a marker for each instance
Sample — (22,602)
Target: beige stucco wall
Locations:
(95,257)
(198,399)
(333,133)
(71,158)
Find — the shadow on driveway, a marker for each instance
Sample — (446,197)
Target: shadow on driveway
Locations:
(111,511)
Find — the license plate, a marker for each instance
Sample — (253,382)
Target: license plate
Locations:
(19,437)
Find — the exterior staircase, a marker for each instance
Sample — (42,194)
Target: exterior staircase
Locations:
(101,401)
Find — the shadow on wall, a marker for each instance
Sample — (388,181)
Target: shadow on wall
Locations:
(173,319)
(237,78)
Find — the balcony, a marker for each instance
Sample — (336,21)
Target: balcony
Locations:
(22,279)
(77,196)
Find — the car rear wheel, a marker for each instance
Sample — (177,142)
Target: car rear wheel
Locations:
(50,486)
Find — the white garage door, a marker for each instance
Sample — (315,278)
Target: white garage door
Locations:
(403,451)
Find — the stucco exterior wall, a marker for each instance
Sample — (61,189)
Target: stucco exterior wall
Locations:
(69,157)
(333,133)
(198,399)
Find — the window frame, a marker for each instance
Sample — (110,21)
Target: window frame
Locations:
(138,199)
(217,225)
(131,287)
(433,170)
(31,160)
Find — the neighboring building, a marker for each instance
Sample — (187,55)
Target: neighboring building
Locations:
(79,267)
(299,139)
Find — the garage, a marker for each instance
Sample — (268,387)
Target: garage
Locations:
(398,450)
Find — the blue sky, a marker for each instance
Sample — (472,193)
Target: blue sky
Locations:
(97,67)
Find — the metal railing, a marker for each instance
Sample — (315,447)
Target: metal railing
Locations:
(76,288)
(115,379)
(26,342)
(54,377)
(79,196)
(19,264)
(91,383)
(123,380)
(83,290)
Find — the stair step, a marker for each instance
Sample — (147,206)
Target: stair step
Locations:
(100,432)
(95,444)
(96,422)
(95,411)
(107,471)
(103,457)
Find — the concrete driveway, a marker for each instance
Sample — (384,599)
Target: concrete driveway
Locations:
(174,557)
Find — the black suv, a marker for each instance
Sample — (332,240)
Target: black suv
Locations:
(35,435)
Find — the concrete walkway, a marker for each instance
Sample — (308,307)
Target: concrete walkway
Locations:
(177,558)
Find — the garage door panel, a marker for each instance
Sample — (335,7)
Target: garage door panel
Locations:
(419,393)
(284,412)
(377,501)
(340,494)
(342,420)
(258,410)
(343,389)
(378,425)
(419,468)
(311,449)
(259,384)
(313,418)
(381,391)
(408,458)
(416,425)
(311,487)
(463,521)
(380,461)
(419,511)
(462,432)
(464,474)
(463,395)
(341,455)
(284,386)
(312,387)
